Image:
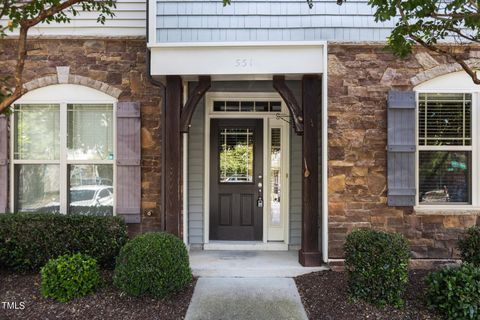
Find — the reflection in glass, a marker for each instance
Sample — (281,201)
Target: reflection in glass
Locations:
(261,106)
(37,188)
(445,177)
(275,174)
(232,106)
(90,132)
(247,106)
(276,106)
(91,190)
(37,129)
(236,155)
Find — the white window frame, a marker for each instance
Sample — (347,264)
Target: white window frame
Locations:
(64,94)
(458,82)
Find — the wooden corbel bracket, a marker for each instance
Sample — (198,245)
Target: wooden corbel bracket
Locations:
(281,87)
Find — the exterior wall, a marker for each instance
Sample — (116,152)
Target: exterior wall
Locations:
(358,81)
(121,64)
(278,20)
(196,171)
(129,20)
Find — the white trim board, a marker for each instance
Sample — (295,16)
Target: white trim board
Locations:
(230,60)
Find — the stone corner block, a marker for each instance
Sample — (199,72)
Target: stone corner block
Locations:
(63,74)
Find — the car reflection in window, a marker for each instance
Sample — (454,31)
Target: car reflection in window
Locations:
(91,196)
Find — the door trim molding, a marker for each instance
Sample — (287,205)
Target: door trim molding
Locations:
(209,114)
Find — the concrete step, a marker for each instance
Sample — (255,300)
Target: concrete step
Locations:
(248,264)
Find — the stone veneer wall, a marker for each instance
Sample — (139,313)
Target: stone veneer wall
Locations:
(120,63)
(358,81)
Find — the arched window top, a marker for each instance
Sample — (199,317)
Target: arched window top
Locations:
(455,81)
(58,93)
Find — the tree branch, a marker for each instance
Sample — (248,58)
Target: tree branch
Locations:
(437,49)
(455,57)
(18,76)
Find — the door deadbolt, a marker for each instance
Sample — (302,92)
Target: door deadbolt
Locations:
(260,202)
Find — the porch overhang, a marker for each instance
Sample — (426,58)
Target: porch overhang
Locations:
(175,64)
(239,60)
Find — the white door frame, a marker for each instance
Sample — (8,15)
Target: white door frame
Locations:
(267,118)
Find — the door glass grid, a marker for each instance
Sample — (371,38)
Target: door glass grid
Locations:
(236,155)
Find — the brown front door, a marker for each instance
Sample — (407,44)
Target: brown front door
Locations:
(236,178)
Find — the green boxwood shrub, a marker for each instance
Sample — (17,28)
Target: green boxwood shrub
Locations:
(69,277)
(470,246)
(377,266)
(455,292)
(28,241)
(153,264)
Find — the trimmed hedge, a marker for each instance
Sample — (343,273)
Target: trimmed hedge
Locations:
(455,292)
(153,264)
(377,266)
(470,246)
(28,241)
(69,277)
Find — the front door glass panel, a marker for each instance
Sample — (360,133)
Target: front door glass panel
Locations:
(275,176)
(236,147)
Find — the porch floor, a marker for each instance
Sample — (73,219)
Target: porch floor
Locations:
(248,264)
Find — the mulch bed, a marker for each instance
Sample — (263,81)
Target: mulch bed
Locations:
(324,295)
(106,303)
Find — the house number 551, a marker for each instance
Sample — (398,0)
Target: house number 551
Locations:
(243,63)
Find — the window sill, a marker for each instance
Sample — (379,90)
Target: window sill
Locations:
(447,210)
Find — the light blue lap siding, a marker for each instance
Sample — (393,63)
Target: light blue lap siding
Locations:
(277,20)
(196,147)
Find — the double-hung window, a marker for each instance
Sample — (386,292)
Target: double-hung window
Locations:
(446,147)
(63,158)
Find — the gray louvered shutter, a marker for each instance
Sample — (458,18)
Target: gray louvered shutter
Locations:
(128,161)
(401,148)
(3,164)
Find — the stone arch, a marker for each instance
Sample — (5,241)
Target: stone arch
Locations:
(441,70)
(63,76)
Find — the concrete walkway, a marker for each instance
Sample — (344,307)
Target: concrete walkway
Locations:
(248,264)
(245,299)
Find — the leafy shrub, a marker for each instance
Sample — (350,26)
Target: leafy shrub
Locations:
(470,246)
(69,277)
(455,291)
(153,264)
(28,241)
(377,266)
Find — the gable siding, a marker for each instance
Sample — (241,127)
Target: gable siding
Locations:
(129,20)
(277,20)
